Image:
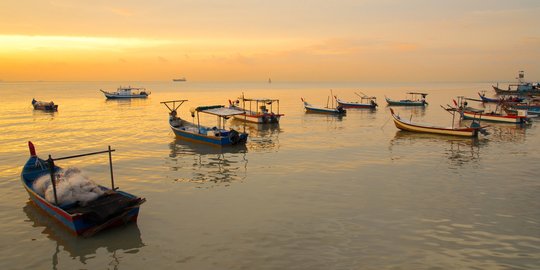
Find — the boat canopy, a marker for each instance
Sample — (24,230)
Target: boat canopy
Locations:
(219,110)
(265,100)
(417,93)
(129,88)
(204,108)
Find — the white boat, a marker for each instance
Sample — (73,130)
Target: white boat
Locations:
(257,110)
(127,92)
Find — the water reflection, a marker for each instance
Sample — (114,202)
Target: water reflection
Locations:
(200,163)
(263,137)
(43,115)
(125,239)
(126,102)
(458,150)
(504,132)
(408,111)
(330,117)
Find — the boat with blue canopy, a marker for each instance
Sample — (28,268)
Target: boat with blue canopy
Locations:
(94,209)
(191,131)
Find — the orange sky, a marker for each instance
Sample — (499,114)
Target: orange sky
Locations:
(241,40)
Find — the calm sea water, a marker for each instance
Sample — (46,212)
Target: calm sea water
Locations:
(315,192)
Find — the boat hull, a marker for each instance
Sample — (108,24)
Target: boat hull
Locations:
(76,223)
(354,105)
(208,139)
(113,96)
(311,109)
(514,119)
(46,107)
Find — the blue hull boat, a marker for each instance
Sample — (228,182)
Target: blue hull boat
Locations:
(217,136)
(113,208)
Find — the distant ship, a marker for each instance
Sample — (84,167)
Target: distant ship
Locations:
(183,79)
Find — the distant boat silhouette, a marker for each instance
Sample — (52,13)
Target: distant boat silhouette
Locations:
(183,79)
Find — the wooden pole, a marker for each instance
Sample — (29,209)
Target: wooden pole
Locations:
(111,168)
(53,181)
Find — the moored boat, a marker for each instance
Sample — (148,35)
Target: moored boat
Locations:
(339,110)
(501,99)
(520,88)
(499,114)
(408,125)
(110,208)
(521,117)
(127,92)
(217,135)
(44,106)
(366,102)
(416,99)
(258,110)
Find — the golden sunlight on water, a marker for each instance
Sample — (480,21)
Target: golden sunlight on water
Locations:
(314,192)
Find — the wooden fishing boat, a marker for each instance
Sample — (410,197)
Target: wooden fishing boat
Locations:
(520,88)
(485,99)
(408,125)
(44,106)
(127,92)
(258,110)
(113,208)
(339,110)
(497,115)
(416,99)
(217,136)
(520,118)
(366,102)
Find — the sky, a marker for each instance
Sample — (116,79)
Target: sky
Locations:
(241,40)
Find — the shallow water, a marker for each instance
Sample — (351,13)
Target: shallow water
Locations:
(314,192)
